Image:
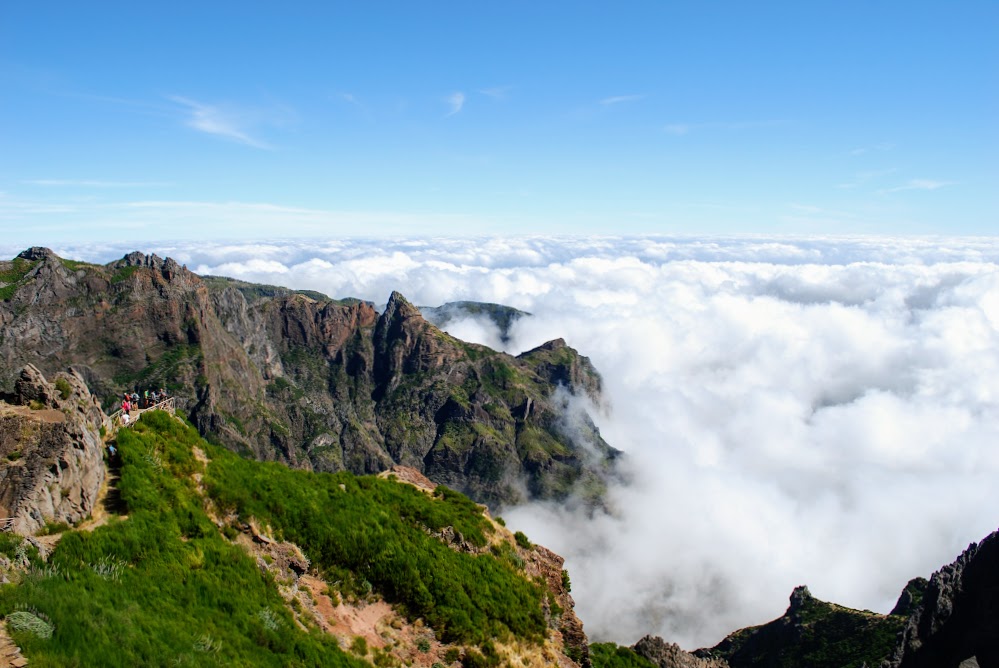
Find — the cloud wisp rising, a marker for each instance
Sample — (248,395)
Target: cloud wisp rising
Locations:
(810,411)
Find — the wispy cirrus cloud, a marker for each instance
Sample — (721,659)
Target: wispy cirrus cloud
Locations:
(860,178)
(919,184)
(220,122)
(456,101)
(94,183)
(496,92)
(620,99)
(874,148)
(679,129)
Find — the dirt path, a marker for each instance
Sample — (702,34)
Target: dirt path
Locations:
(10,654)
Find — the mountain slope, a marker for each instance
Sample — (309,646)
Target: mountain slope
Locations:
(222,560)
(318,383)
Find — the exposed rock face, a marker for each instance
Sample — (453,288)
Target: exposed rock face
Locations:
(297,377)
(542,562)
(51,454)
(669,655)
(958,617)
(908,602)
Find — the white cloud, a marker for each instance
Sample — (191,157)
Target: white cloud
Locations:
(795,411)
(496,92)
(919,184)
(620,99)
(679,129)
(875,148)
(94,183)
(456,101)
(216,121)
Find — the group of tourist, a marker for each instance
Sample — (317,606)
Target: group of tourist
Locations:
(134,401)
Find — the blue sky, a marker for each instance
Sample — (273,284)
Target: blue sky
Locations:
(246,120)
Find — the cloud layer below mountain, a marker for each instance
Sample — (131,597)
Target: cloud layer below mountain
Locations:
(821,412)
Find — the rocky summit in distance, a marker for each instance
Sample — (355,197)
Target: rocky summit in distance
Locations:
(295,376)
(499,315)
(948,621)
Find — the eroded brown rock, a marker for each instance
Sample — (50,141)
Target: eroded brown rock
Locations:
(51,452)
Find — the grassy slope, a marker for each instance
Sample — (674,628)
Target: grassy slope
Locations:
(165,587)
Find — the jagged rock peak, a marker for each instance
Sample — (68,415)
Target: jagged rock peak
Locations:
(168,267)
(554,344)
(32,386)
(800,597)
(399,307)
(958,617)
(669,655)
(138,259)
(910,597)
(37,253)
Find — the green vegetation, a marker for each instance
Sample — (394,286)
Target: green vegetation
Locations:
(162,587)
(123,274)
(370,533)
(522,540)
(13,275)
(609,655)
(167,586)
(815,635)
(51,528)
(166,371)
(254,291)
(62,385)
(73,265)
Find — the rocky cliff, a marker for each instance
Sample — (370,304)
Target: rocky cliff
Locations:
(957,618)
(51,453)
(948,621)
(669,655)
(318,383)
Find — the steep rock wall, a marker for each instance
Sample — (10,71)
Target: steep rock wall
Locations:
(51,453)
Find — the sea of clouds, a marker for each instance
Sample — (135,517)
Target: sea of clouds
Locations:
(795,411)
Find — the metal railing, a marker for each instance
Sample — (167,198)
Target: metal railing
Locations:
(117,419)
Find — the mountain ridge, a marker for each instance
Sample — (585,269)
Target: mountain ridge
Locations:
(317,383)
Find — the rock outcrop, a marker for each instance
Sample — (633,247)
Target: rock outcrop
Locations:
(51,452)
(811,634)
(547,565)
(317,383)
(669,655)
(958,616)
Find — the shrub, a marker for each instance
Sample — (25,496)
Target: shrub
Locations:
(23,620)
(359,646)
(62,385)
(522,540)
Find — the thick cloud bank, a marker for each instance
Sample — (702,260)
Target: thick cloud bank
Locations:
(821,412)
